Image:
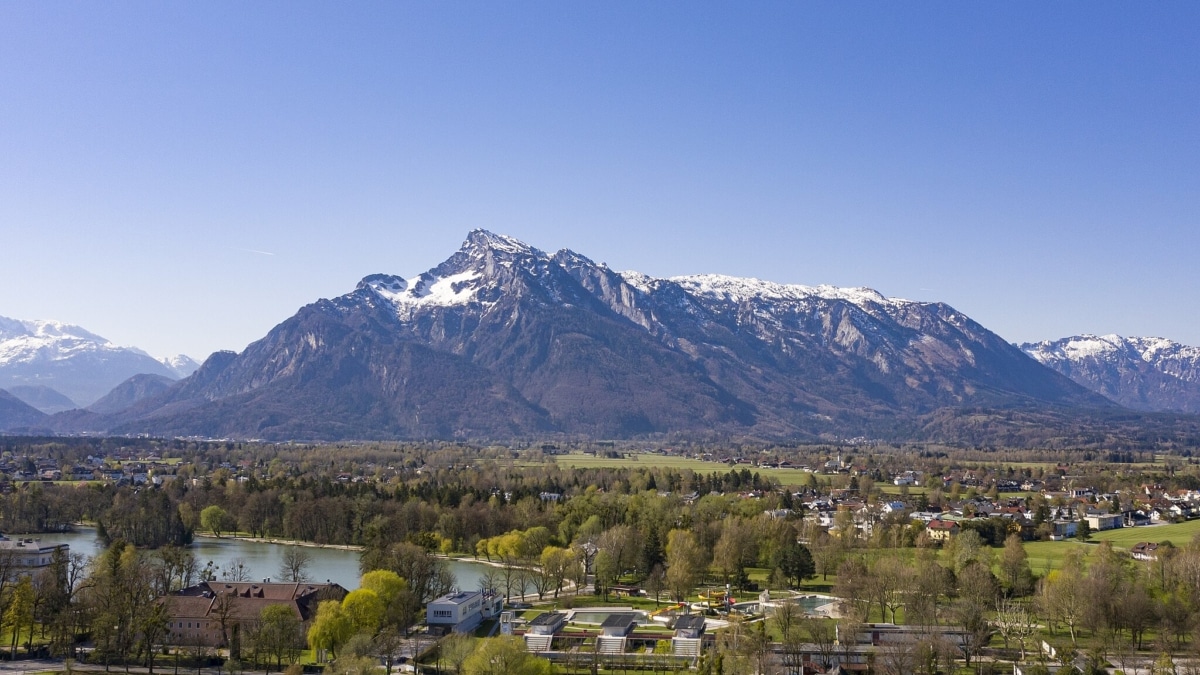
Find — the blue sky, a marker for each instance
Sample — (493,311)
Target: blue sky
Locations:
(1036,165)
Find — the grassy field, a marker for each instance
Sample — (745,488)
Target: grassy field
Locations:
(1048,555)
(1125,537)
(580,461)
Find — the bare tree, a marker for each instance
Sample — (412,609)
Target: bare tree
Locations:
(294,565)
(237,570)
(898,657)
(1013,622)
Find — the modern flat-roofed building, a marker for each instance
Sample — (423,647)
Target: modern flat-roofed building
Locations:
(464,610)
(26,556)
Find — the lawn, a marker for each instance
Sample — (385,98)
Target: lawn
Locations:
(1048,555)
(581,461)
(1125,537)
(1044,555)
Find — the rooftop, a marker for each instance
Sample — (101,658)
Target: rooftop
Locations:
(621,620)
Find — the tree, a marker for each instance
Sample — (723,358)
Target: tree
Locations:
(621,542)
(504,656)
(825,553)
(1063,594)
(928,583)
(684,563)
(1083,531)
(556,565)
(237,570)
(854,586)
(120,591)
(455,649)
(363,608)
(427,577)
(887,583)
(278,633)
(1013,622)
(213,518)
(295,564)
(20,610)
(392,591)
(656,582)
(152,626)
(727,554)
(331,628)
(607,571)
(1014,567)
(797,562)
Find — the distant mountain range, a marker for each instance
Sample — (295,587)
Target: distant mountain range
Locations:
(504,341)
(54,366)
(1139,373)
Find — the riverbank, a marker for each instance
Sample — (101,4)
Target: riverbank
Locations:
(283,542)
(340,547)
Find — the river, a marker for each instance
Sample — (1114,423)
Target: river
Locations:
(262,558)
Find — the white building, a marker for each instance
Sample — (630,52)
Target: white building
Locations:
(463,611)
(27,556)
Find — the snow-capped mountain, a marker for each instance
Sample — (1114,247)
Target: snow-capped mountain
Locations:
(504,340)
(1144,373)
(75,363)
(180,365)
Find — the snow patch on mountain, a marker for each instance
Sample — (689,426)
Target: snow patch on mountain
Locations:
(740,289)
(1152,350)
(1148,373)
(429,289)
(34,341)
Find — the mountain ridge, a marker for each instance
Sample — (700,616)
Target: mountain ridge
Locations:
(73,361)
(1142,373)
(503,340)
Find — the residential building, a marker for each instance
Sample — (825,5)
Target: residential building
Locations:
(942,530)
(1144,551)
(1104,521)
(212,612)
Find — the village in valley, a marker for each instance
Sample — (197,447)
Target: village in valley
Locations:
(843,558)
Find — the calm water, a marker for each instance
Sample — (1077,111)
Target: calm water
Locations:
(336,565)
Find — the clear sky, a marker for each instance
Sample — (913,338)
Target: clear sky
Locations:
(184,176)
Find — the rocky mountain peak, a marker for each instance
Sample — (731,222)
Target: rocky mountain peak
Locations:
(483,242)
(1145,373)
(503,340)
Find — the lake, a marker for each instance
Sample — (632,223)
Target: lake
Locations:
(262,558)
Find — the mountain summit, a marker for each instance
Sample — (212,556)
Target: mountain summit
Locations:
(54,365)
(503,340)
(1142,373)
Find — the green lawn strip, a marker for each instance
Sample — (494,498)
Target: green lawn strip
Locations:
(1048,555)
(784,476)
(1125,537)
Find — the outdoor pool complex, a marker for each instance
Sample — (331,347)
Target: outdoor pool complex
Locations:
(597,615)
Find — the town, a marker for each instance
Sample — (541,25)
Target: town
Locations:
(851,558)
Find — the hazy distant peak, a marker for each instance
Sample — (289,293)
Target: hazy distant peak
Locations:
(1147,373)
(17,328)
(181,365)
